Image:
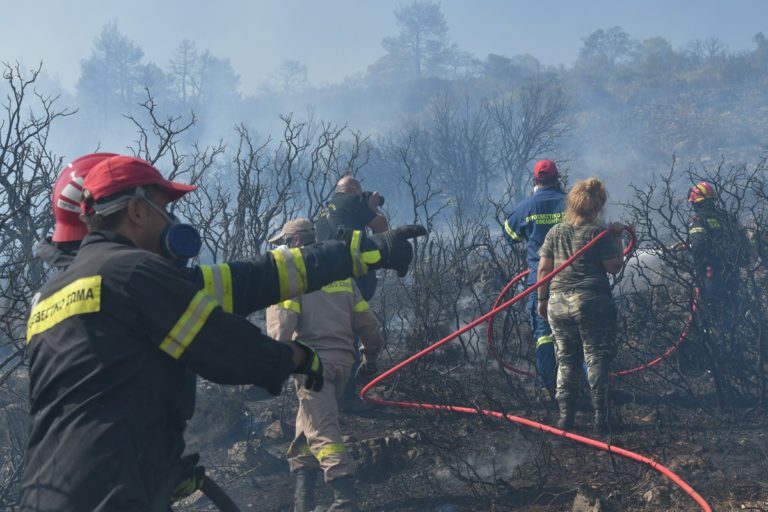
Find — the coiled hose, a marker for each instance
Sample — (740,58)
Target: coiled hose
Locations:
(517,419)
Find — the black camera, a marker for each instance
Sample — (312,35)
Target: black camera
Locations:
(368,194)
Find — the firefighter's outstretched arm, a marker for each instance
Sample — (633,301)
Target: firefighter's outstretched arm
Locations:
(245,287)
(189,325)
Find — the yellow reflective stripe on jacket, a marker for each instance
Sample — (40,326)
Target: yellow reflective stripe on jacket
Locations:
(361,306)
(329,450)
(342,286)
(713,223)
(77,298)
(543,340)
(545,218)
(291,271)
(697,230)
(360,259)
(359,268)
(291,305)
(188,324)
(299,451)
(218,282)
(371,257)
(514,236)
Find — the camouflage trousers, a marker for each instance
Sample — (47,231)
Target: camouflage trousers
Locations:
(584,325)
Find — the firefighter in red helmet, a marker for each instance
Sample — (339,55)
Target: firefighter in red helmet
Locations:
(707,237)
(116,339)
(59,249)
(719,247)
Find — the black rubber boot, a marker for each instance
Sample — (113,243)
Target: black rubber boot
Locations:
(567,412)
(600,404)
(601,423)
(552,393)
(344,495)
(304,498)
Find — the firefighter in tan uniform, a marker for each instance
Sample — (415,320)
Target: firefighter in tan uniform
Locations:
(328,321)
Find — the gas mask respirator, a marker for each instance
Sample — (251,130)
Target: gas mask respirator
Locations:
(179,241)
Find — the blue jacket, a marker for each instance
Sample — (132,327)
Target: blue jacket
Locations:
(532,219)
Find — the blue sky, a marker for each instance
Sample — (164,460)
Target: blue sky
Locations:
(337,38)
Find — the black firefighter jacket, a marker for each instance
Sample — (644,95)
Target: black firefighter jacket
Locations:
(115,342)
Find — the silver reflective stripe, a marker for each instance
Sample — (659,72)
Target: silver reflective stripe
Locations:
(218,282)
(291,271)
(189,324)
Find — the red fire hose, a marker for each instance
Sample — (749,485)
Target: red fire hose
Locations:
(489,328)
(516,419)
(672,348)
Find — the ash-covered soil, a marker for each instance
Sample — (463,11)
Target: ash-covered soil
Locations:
(413,461)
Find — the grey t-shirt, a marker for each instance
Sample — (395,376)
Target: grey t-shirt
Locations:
(586,273)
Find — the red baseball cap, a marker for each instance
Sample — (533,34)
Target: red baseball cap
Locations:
(545,169)
(121,173)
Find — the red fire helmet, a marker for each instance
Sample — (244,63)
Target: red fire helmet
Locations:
(66,197)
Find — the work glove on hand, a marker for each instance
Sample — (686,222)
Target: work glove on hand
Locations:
(366,370)
(390,249)
(312,368)
(191,479)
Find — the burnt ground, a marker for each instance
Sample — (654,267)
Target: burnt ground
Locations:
(425,461)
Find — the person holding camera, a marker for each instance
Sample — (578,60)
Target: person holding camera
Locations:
(350,207)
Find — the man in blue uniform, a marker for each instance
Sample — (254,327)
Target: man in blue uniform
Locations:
(530,221)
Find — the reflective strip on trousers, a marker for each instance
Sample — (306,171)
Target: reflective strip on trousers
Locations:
(330,449)
(325,451)
(218,282)
(189,324)
(543,340)
(291,271)
(299,451)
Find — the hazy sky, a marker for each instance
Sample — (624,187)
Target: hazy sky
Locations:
(337,38)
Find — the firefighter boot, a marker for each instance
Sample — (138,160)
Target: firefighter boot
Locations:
(304,498)
(600,404)
(344,495)
(567,412)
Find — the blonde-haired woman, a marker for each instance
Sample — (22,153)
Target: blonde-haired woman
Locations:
(578,301)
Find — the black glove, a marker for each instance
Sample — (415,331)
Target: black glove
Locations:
(390,249)
(312,368)
(366,370)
